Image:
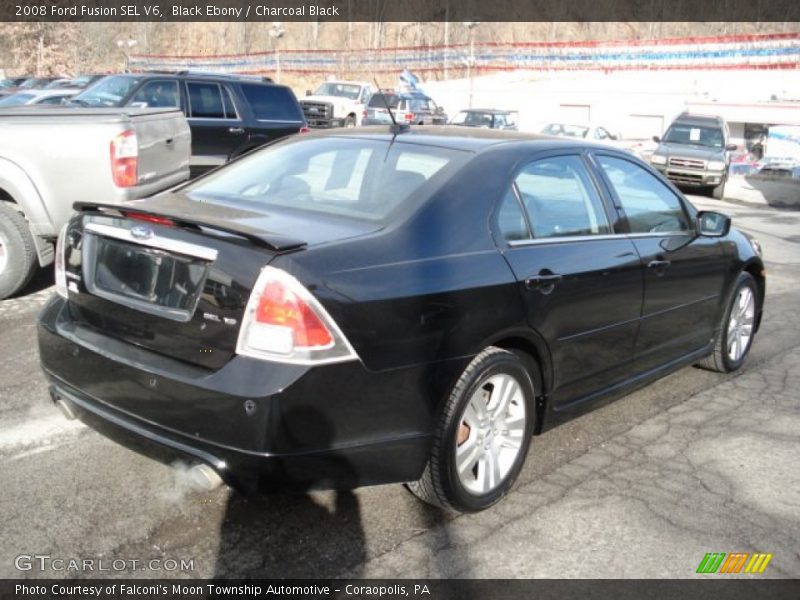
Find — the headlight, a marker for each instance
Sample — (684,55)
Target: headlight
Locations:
(716,165)
(756,247)
(658,159)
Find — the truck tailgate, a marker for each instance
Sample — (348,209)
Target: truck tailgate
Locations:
(165,141)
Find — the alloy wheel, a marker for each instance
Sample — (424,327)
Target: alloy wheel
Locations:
(490,434)
(740,323)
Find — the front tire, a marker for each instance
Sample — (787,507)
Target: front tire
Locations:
(718,192)
(483,434)
(736,329)
(17,251)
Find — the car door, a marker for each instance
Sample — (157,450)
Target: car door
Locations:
(581,284)
(683,272)
(217,128)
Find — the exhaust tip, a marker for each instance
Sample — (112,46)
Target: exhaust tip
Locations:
(66,409)
(204,479)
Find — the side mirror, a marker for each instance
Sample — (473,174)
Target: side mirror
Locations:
(713,224)
(611,136)
(731,147)
(656,139)
(308,92)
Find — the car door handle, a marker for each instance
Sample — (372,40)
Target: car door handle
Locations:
(543,282)
(658,264)
(236,129)
(169,141)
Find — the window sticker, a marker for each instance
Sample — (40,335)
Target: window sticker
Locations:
(694,134)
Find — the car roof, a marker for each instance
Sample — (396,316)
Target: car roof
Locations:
(494,111)
(458,138)
(688,118)
(203,75)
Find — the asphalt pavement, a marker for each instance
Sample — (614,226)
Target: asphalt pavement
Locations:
(642,487)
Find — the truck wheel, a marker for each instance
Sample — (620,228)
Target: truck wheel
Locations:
(17,251)
(718,192)
(350,122)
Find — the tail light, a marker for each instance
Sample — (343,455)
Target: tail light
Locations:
(284,322)
(304,129)
(61,272)
(125,159)
(409,117)
(364,114)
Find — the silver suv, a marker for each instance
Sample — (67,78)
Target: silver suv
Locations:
(694,153)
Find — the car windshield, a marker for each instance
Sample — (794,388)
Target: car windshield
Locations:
(578,131)
(109,91)
(16,100)
(349,177)
(380,100)
(694,135)
(338,89)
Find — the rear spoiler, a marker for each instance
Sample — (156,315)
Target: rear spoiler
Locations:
(273,241)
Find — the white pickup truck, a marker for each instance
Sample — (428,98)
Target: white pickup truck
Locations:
(337,104)
(51,158)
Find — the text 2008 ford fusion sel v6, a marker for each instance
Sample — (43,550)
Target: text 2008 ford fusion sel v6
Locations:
(356,308)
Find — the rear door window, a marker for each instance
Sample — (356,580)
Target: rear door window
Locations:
(561,199)
(272,102)
(206,101)
(649,205)
(161,93)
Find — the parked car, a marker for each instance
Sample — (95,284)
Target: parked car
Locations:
(52,157)
(84,81)
(586,131)
(38,97)
(486,118)
(412,108)
(695,153)
(388,306)
(229,115)
(337,104)
(10,85)
(35,83)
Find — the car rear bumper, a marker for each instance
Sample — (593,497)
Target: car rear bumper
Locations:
(303,429)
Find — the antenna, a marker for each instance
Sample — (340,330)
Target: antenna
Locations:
(396,127)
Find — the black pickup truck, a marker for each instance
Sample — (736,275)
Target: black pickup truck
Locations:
(228,114)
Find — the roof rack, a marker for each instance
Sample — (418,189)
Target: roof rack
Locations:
(185,72)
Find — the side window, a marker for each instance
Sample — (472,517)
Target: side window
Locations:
(510,219)
(561,199)
(158,94)
(205,101)
(601,134)
(272,102)
(228,106)
(649,205)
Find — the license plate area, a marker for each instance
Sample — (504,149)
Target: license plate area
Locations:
(144,278)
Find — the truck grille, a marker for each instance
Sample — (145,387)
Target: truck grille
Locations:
(317,110)
(687,163)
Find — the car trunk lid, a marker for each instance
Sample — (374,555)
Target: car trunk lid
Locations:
(174,275)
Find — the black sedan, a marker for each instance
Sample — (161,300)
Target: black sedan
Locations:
(354,308)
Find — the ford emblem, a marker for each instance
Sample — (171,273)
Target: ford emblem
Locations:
(141,232)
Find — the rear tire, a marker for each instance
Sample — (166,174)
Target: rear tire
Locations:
(483,434)
(736,328)
(17,251)
(350,122)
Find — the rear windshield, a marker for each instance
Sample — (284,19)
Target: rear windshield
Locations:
(380,100)
(109,91)
(16,99)
(694,135)
(350,177)
(272,102)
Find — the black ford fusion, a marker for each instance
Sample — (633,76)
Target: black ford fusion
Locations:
(356,308)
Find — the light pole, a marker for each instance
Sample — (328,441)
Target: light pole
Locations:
(125,46)
(471,25)
(275,33)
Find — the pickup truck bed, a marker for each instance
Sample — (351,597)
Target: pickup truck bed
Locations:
(51,158)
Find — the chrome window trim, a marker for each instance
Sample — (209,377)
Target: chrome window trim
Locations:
(599,237)
(157,242)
